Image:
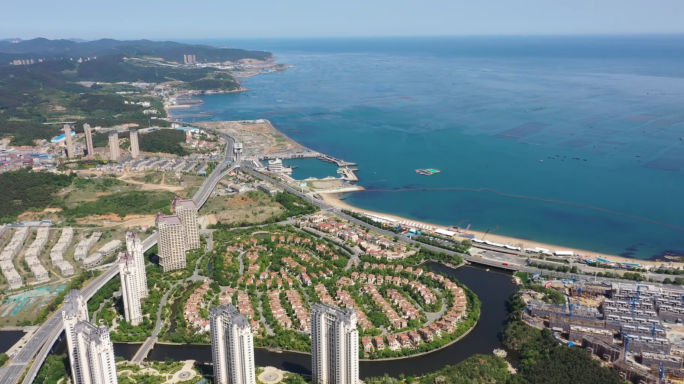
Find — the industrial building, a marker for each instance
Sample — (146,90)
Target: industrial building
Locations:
(232,346)
(334,345)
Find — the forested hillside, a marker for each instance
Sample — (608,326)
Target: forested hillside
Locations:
(164,141)
(23,191)
(49,91)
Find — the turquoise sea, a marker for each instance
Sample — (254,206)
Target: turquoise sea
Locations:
(576,141)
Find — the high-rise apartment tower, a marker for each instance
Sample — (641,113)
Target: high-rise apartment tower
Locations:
(95,353)
(171,242)
(135,147)
(69,141)
(232,346)
(74,309)
(130,289)
(135,248)
(186,210)
(114,151)
(334,345)
(89,139)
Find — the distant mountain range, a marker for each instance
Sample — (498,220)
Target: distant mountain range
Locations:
(76,48)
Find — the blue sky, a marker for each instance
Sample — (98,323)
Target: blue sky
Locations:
(156,19)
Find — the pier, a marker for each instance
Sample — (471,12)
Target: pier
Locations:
(330,159)
(309,154)
(349,175)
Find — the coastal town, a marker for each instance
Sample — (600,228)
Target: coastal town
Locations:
(173,251)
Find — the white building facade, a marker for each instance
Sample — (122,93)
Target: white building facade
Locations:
(135,147)
(232,346)
(69,141)
(171,242)
(74,310)
(186,210)
(114,151)
(89,139)
(95,353)
(334,345)
(135,248)
(130,289)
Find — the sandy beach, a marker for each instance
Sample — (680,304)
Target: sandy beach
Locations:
(333,200)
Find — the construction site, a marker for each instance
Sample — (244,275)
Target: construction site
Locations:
(634,328)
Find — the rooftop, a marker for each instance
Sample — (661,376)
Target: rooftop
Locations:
(177,202)
(167,219)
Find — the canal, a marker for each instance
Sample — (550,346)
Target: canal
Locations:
(493,289)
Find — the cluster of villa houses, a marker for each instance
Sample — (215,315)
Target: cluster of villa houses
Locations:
(371,245)
(298,308)
(245,308)
(196,302)
(193,307)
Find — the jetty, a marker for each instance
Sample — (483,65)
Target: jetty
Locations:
(330,159)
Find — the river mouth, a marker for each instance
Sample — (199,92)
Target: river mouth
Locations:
(493,289)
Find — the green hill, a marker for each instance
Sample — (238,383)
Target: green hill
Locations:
(41,48)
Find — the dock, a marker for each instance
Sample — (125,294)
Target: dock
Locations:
(349,175)
(310,154)
(330,159)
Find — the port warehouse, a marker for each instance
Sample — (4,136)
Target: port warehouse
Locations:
(629,314)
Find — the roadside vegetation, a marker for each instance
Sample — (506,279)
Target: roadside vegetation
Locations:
(55,370)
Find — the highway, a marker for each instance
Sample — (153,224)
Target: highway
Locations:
(39,346)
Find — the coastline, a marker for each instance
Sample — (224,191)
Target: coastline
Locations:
(334,200)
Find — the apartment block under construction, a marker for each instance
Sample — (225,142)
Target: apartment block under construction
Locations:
(633,327)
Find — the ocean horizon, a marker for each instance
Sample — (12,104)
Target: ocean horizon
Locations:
(574,141)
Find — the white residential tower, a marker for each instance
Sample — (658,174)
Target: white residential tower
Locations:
(334,345)
(130,288)
(232,346)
